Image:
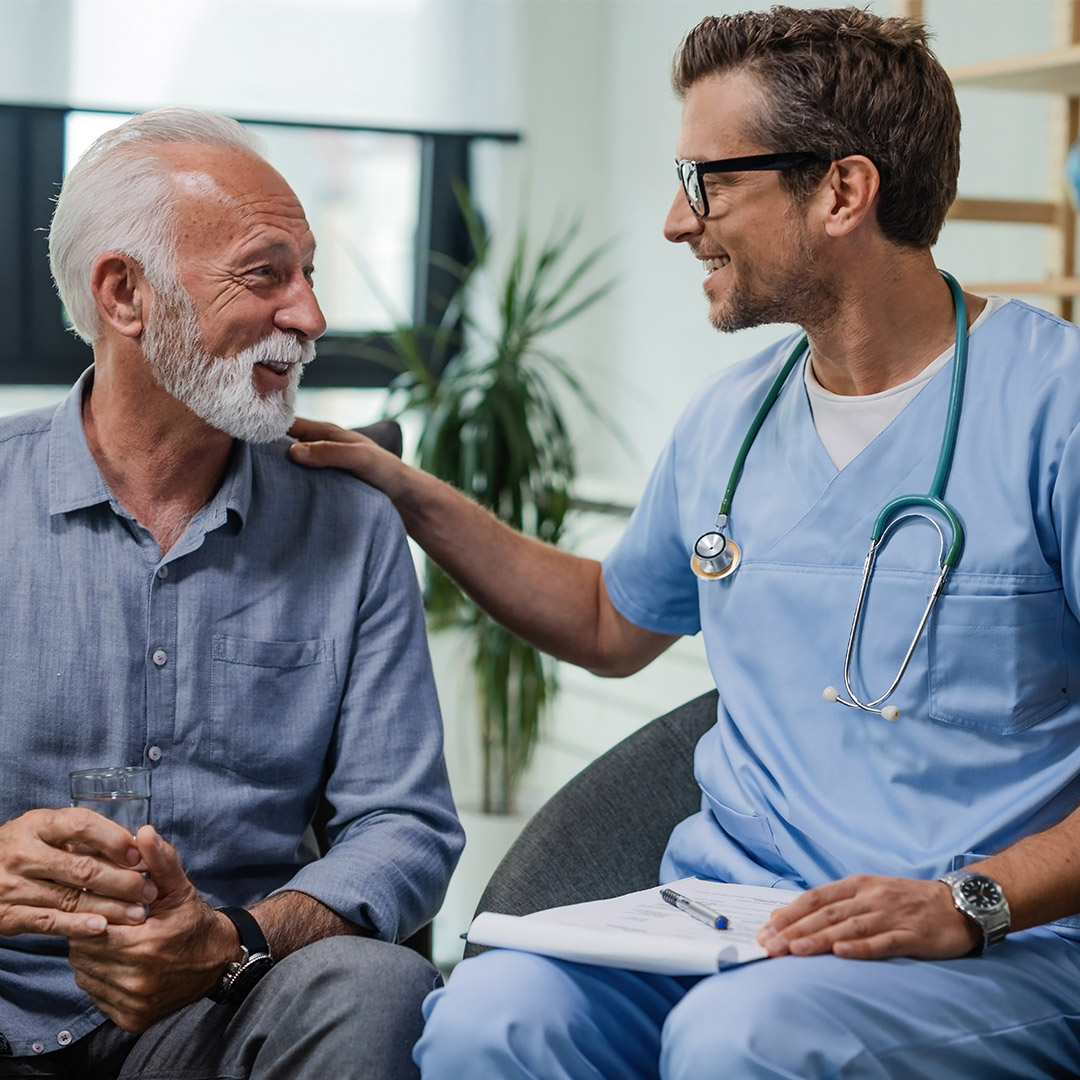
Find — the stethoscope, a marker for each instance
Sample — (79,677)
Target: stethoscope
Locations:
(716,556)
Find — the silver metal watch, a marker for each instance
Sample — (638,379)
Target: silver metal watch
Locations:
(982,900)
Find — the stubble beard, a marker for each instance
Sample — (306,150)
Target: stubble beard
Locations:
(796,293)
(219,390)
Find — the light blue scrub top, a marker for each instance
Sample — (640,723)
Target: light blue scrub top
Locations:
(796,791)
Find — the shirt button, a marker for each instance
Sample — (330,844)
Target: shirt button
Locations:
(154,753)
(160,656)
(64,1038)
(162,571)
(38,1047)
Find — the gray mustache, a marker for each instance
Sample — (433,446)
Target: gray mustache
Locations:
(282,347)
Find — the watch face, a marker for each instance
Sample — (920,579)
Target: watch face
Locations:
(981,893)
(248,975)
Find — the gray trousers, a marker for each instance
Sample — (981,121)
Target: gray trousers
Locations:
(341,1008)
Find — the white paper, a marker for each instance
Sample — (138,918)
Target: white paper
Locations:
(642,932)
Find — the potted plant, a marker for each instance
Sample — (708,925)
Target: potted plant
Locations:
(493,427)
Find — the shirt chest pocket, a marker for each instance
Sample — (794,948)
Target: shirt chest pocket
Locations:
(998,663)
(273,705)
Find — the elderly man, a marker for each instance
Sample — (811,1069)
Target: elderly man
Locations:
(817,158)
(175,598)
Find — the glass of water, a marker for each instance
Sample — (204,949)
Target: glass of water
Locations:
(121,793)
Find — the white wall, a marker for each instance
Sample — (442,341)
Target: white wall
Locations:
(388,62)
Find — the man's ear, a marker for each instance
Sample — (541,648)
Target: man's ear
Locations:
(848,194)
(121,292)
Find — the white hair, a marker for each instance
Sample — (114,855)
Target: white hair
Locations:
(120,197)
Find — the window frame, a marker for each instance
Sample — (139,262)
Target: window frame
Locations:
(39,350)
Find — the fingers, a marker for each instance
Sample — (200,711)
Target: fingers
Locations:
(30,906)
(333,454)
(58,874)
(363,458)
(87,831)
(819,918)
(829,927)
(71,913)
(163,863)
(27,919)
(791,922)
(125,1007)
(318,431)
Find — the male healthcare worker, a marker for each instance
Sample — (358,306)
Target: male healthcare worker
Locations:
(818,155)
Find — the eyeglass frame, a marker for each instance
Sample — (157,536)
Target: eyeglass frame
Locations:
(752,163)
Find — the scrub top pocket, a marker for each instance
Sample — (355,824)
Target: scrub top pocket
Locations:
(249,735)
(750,830)
(997,663)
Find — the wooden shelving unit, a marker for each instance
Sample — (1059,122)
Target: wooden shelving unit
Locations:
(1056,71)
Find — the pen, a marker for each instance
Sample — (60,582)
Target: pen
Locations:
(692,907)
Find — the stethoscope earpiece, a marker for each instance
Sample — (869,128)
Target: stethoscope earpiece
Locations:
(832,696)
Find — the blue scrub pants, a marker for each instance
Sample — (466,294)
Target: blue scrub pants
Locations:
(1014,1012)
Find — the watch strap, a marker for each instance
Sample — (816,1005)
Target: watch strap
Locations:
(252,939)
(241,975)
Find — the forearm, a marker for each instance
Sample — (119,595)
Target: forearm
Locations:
(552,599)
(528,586)
(1040,875)
(291,920)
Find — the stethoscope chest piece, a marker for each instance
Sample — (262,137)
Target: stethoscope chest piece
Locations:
(715,556)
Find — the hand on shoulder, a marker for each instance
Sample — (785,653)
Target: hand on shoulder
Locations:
(323,445)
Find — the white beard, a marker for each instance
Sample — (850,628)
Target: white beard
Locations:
(219,390)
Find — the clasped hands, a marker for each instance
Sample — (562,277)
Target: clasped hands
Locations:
(871,917)
(75,874)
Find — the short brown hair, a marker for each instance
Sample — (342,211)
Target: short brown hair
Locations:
(842,81)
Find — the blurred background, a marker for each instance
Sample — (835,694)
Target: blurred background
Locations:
(550,109)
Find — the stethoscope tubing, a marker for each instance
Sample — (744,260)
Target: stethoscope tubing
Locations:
(871,556)
(709,567)
(755,426)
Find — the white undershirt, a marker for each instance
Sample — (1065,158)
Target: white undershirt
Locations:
(846,425)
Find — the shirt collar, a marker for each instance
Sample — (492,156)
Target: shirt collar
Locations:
(75,482)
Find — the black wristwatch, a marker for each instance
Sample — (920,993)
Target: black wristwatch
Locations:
(255,959)
(981,899)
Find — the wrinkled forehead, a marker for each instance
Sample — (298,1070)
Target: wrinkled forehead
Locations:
(225,196)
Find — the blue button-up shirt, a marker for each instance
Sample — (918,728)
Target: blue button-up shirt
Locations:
(274,656)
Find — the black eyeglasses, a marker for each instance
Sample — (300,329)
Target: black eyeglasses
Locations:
(691,173)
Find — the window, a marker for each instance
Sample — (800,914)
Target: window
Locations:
(379,202)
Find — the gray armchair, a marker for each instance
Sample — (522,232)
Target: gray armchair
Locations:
(604,832)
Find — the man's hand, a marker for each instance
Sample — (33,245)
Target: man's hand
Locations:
(137,975)
(870,917)
(323,445)
(69,872)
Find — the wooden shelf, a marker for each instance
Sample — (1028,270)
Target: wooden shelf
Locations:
(1056,71)
(1063,287)
(1024,211)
